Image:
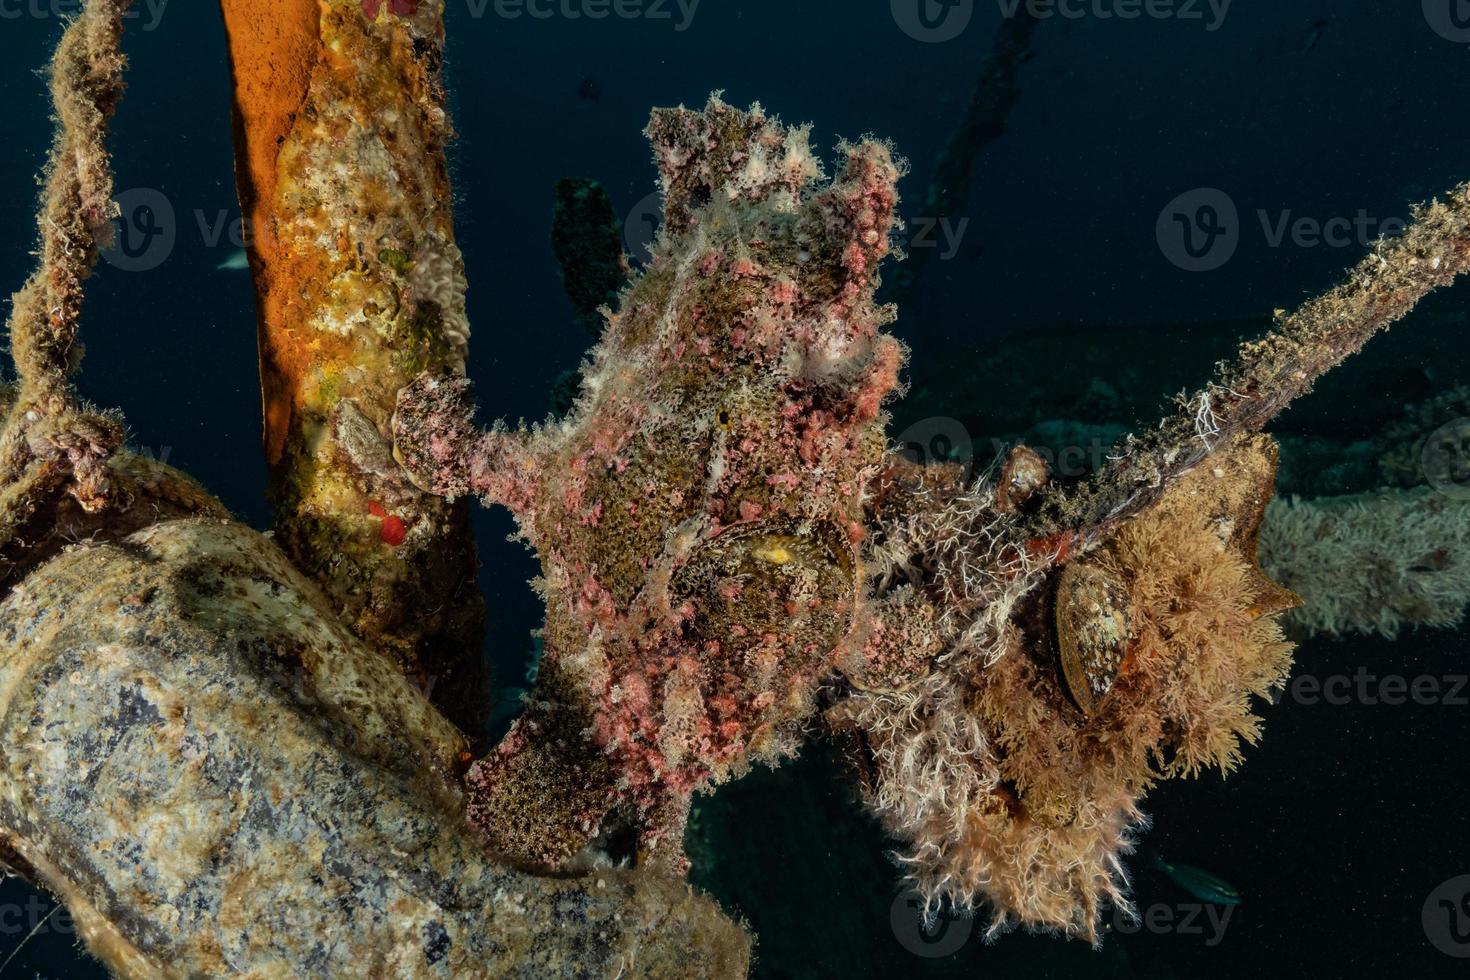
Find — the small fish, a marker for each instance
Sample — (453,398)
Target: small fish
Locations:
(589,89)
(238,260)
(1199,883)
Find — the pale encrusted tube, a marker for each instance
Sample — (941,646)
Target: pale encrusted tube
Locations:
(219,779)
(342,177)
(1372,563)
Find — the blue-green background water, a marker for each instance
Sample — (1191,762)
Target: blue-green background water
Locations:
(1340,824)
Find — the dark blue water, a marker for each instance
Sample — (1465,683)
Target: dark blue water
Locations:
(1344,820)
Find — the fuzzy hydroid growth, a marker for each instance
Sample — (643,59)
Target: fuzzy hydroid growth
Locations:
(1372,563)
(1004,788)
(49,441)
(63,473)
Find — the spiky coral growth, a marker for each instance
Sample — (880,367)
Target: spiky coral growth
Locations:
(1006,791)
(698,515)
(1372,563)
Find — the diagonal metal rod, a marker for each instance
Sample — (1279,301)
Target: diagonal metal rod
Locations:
(1265,377)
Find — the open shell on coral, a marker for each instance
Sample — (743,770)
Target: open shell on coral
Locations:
(1093,621)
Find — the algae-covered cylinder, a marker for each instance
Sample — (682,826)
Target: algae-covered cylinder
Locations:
(219,779)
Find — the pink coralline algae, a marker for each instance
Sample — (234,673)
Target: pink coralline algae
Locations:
(699,515)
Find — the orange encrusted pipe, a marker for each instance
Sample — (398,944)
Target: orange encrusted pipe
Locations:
(340,131)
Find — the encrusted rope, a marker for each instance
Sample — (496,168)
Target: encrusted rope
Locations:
(1266,375)
(50,441)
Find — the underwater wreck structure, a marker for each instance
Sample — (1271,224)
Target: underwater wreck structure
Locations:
(214,750)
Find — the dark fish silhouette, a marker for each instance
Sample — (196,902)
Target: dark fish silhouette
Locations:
(1312,35)
(1200,883)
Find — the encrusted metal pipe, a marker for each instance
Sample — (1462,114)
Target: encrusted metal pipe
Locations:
(218,778)
(340,135)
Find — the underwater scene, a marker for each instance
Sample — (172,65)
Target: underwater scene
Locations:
(735,488)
